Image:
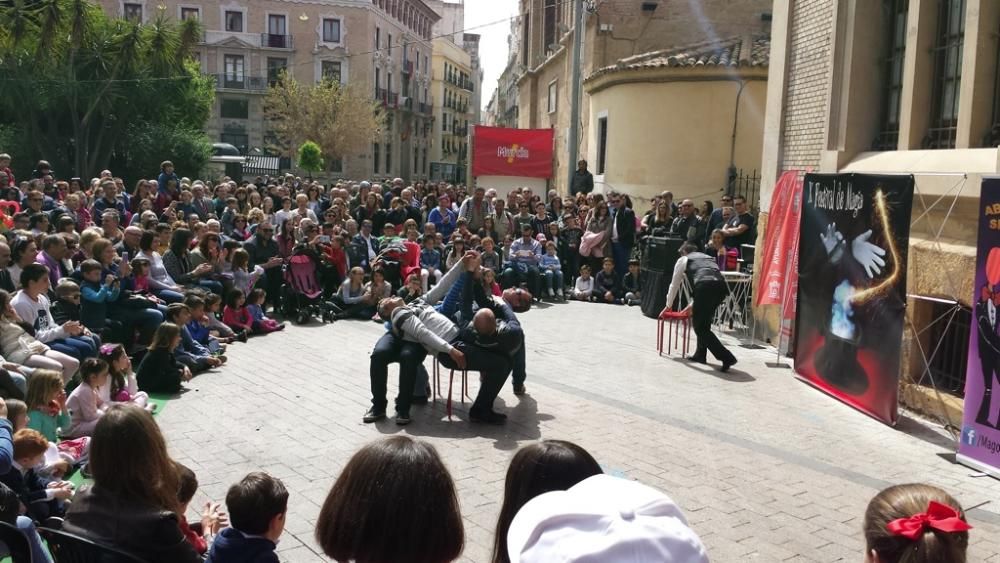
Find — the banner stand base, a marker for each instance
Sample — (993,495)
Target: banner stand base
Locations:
(978,466)
(750,346)
(780,365)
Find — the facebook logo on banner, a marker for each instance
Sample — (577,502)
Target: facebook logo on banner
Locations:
(969,436)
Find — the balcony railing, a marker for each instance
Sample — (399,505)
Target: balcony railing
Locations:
(425,108)
(461,131)
(275,41)
(237,82)
(407,67)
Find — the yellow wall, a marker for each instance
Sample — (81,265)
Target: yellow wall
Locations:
(675,135)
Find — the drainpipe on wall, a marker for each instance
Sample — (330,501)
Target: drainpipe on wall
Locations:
(731,172)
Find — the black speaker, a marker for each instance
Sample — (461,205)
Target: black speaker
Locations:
(660,254)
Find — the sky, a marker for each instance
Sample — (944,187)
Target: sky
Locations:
(493,43)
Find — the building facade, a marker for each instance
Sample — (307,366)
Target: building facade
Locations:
(505,112)
(895,86)
(453,86)
(383,46)
(613,32)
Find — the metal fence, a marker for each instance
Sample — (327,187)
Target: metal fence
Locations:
(948,350)
(745,183)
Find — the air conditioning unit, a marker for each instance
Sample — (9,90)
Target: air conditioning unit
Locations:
(607,28)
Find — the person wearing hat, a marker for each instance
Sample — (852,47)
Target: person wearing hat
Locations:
(525,255)
(709,290)
(603,519)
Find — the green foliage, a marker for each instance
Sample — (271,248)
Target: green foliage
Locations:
(310,157)
(74,82)
(143,145)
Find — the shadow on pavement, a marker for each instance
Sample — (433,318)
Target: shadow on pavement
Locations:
(431,420)
(917,429)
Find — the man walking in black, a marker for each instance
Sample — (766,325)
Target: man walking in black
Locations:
(709,291)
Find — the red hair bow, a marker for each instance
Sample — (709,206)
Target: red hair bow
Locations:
(939,517)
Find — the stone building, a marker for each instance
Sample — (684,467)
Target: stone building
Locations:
(452,84)
(616,33)
(382,45)
(896,86)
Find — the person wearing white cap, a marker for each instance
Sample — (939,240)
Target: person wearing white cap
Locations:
(603,519)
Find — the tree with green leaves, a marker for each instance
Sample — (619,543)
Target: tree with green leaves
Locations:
(310,157)
(342,119)
(83,90)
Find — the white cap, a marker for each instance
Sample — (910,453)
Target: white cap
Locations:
(603,519)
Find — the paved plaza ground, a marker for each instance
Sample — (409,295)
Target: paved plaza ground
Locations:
(765,467)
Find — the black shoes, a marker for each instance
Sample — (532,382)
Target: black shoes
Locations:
(242,336)
(726,365)
(402,418)
(374,415)
(519,389)
(697,359)
(487,417)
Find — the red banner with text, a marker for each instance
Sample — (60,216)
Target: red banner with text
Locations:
(498,151)
(781,242)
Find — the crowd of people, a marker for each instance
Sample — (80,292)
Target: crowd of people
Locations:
(558,505)
(167,275)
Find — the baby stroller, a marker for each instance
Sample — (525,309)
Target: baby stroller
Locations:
(302,296)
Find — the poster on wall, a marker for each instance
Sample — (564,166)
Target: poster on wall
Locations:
(853,242)
(979,446)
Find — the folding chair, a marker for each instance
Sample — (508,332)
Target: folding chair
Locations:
(16,542)
(70,548)
(436,375)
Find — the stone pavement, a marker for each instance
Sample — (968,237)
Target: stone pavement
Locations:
(765,467)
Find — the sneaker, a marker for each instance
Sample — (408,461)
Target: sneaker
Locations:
(551,295)
(726,365)
(562,296)
(374,415)
(241,336)
(519,389)
(402,418)
(222,358)
(488,417)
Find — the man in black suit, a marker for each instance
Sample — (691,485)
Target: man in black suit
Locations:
(989,348)
(622,232)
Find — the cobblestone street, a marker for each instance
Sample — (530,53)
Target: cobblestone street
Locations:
(765,467)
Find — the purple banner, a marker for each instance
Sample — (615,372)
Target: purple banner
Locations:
(979,446)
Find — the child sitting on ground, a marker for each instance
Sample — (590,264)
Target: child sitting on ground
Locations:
(430,264)
(198,325)
(48,414)
(238,318)
(159,371)
(217,328)
(41,497)
(257,507)
(190,353)
(607,286)
(84,403)
(255,304)
(376,290)
(212,519)
(915,522)
(412,289)
(489,258)
(632,284)
(490,283)
(584,288)
(56,464)
(552,270)
(350,299)
(123,387)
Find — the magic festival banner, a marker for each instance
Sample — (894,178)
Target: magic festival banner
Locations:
(853,242)
(979,446)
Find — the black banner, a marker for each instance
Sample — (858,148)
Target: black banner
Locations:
(853,243)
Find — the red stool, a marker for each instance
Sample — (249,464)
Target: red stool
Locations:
(451,381)
(680,324)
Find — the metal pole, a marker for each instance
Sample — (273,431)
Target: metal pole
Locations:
(574,124)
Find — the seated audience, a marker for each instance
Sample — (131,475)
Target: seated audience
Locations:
(362,520)
(257,507)
(915,523)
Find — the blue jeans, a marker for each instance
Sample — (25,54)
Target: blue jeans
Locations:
(38,553)
(79,347)
(620,253)
(556,277)
(145,320)
(211,285)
